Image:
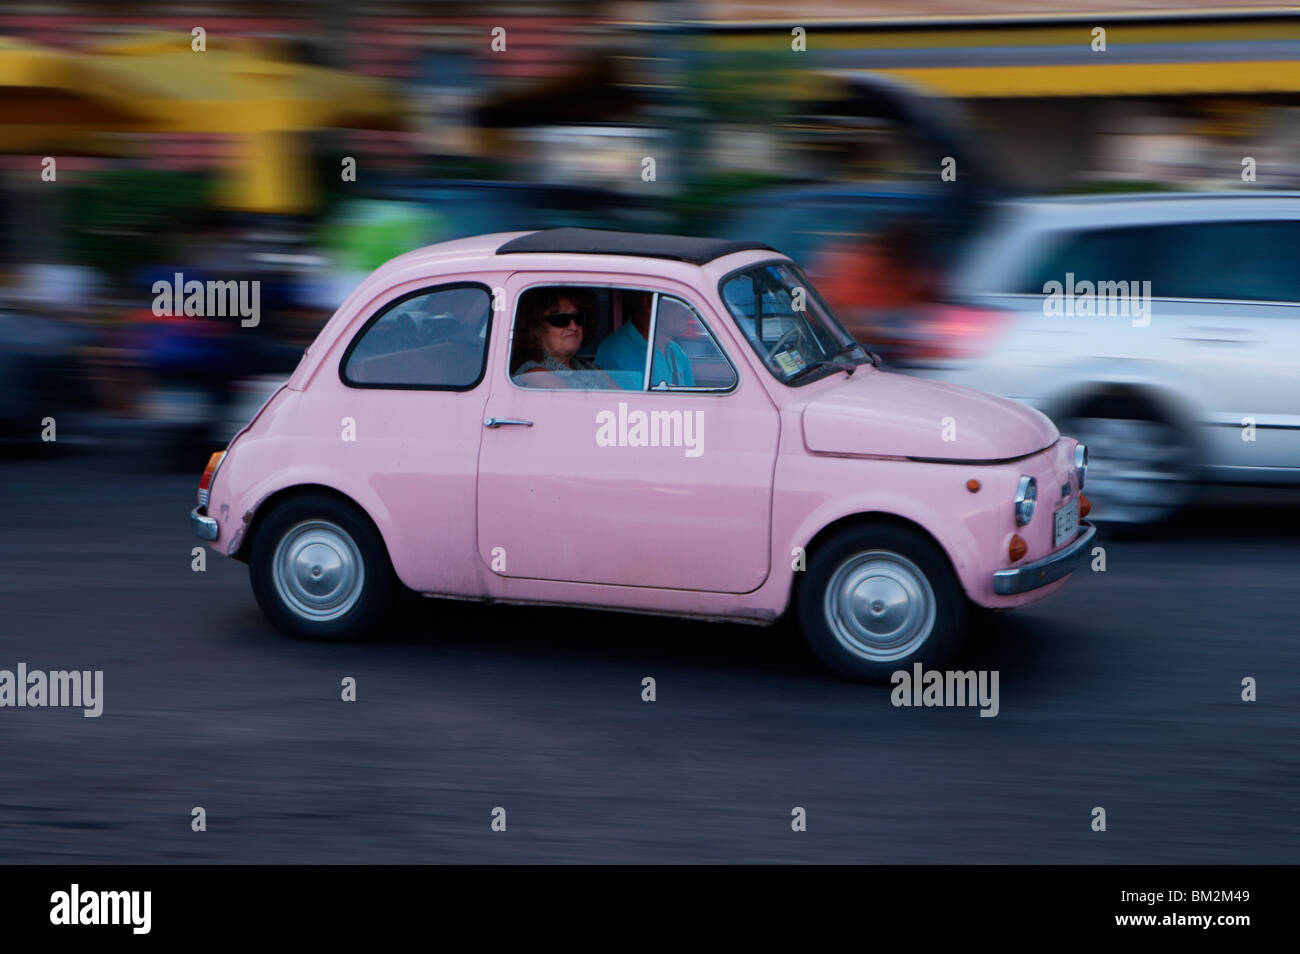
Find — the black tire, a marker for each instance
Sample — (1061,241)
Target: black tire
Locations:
(326,534)
(887,562)
(1141,462)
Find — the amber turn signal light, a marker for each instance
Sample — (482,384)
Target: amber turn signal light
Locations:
(1085,506)
(1018,548)
(205,482)
(972,485)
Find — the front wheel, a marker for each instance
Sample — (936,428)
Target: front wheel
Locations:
(877,599)
(320,570)
(1137,466)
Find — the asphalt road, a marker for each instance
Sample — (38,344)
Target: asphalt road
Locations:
(1123,692)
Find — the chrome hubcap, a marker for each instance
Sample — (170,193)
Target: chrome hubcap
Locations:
(880,606)
(1135,472)
(317,570)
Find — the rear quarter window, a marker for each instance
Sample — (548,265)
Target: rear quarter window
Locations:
(435,339)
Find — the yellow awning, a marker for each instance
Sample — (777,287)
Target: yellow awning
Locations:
(1225,51)
(51,100)
(1106,79)
(238,87)
(42,86)
(235,87)
(156,83)
(973,32)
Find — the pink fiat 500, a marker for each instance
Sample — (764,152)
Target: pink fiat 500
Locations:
(637,422)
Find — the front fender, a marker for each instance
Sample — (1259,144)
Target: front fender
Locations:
(973,529)
(931,496)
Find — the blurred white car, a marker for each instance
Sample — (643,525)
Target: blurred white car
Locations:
(1200,381)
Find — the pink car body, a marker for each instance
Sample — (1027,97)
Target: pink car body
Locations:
(546,514)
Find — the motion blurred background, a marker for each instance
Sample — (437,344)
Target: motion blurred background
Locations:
(911,156)
(875,144)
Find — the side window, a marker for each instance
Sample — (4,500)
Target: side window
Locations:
(1251,261)
(1229,260)
(685,354)
(435,339)
(1101,255)
(594,338)
(556,333)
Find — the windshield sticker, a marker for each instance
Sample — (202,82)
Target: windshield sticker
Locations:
(789,361)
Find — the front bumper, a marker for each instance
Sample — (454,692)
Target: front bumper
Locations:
(204,527)
(1031,576)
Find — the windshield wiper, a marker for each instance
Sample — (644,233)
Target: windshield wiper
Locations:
(833,361)
(823,363)
(871,355)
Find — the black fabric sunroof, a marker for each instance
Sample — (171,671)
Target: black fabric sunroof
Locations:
(682,248)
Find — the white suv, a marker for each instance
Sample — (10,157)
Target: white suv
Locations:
(1194,377)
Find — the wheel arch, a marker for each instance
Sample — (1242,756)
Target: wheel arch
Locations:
(1168,404)
(860,520)
(293,492)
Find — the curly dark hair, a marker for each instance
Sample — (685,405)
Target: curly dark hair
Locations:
(536,303)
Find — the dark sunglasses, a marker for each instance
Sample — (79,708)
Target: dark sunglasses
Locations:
(562,319)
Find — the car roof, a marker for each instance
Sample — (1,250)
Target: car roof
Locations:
(1140,208)
(695,262)
(680,248)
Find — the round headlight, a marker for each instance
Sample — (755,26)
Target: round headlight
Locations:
(1026,500)
(1081,462)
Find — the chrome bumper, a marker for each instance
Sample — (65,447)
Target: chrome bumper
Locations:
(204,527)
(1031,576)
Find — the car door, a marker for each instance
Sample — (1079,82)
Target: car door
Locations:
(1228,314)
(645,486)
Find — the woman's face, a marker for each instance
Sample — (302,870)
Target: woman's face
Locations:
(562,343)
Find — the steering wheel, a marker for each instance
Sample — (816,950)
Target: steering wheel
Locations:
(795,329)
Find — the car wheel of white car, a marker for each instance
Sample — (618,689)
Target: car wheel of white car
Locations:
(875,599)
(320,570)
(1137,467)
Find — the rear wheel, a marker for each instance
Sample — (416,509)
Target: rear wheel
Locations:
(876,599)
(320,570)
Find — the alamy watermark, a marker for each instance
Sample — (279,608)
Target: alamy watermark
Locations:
(1120,299)
(76,907)
(675,428)
(196,299)
(950,688)
(78,688)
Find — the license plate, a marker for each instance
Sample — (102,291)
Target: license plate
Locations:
(1067,523)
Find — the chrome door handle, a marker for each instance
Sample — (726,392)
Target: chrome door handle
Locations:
(498,421)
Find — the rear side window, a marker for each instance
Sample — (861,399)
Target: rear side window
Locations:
(1229,260)
(435,339)
(1251,261)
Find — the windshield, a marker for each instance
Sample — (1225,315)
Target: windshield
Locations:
(788,324)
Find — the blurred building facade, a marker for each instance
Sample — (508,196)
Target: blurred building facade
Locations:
(466,117)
